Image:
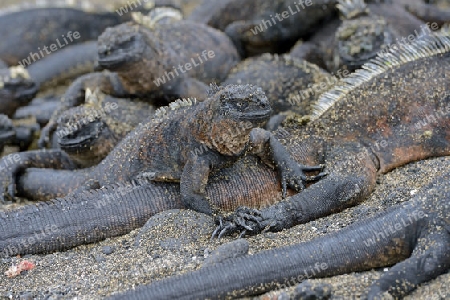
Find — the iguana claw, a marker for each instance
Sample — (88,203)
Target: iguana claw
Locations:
(242,220)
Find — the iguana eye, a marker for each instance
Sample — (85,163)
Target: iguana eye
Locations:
(241,104)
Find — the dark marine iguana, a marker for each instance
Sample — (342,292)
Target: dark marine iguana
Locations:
(257,26)
(363,31)
(156,60)
(282,78)
(204,136)
(87,133)
(417,247)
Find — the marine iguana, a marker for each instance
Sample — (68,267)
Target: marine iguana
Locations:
(257,26)
(87,133)
(208,135)
(364,31)
(282,78)
(154,59)
(374,120)
(417,247)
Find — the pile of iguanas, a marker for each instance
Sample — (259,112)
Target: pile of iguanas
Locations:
(211,155)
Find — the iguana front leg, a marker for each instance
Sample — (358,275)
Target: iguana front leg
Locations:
(193,183)
(352,174)
(265,145)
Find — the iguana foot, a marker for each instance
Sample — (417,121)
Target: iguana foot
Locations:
(292,175)
(242,220)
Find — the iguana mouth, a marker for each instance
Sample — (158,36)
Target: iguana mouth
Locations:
(82,137)
(112,62)
(256,116)
(19,89)
(113,57)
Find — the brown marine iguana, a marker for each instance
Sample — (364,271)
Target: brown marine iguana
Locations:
(154,59)
(205,136)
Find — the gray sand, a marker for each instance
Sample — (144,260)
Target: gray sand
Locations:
(178,242)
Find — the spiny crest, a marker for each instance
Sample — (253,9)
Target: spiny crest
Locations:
(19,72)
(93,98)
(351,9)
(155,15)
(213,89)
(177,104)
(433,45)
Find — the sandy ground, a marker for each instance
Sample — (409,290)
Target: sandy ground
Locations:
(179,241)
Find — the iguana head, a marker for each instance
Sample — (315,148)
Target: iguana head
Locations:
(361,39)
(360,36)
(133,41)
(120,45)
(134,50)
(246,103)
(228,116)
(16,89)
(83,132)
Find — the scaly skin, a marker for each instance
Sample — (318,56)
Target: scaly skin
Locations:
(141,54)
(90,131)
(209,135)
(282,78)
(237,18)
(417,242)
